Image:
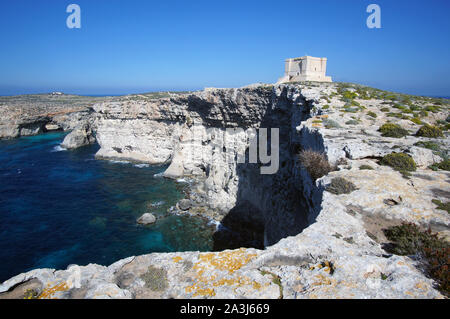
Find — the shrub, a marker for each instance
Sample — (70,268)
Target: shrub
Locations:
(409,239)
(339,186)
(397,115)
(329,123)
(351,109)
(429,131)
(366,167)
(372,114)
(392,130)
(444,165)
(433,109)
(441,205)
(400,162)
(384,109)
(315,163)
(155,278)
(349,95)
(429,145)
(352,122)
(423,113)
(399,106)
(416,121)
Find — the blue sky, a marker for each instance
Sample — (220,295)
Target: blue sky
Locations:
(142,45)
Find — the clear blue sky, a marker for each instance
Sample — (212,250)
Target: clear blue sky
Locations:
(143,45)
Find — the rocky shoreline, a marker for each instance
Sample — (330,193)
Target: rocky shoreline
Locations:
(306,242)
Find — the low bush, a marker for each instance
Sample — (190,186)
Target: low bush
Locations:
(397,115)
(444,165)
(409,239)
(315,163)
(416,120)
(366,167)
(442,206)
(155,278)
(429,131)
(429,145)
(372,114)
(329,123)
(400,162)
(392,130)
(352,122)
(339,186)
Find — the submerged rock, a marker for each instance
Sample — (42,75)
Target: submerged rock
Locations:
(146,219)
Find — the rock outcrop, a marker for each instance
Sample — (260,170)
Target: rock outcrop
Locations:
(317,244)
(146,219)
(80,136)
(27,115)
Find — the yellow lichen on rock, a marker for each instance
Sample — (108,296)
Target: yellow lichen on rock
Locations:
(177,259)
(226,261)
(48,292)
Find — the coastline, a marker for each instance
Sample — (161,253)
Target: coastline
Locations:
(301,247)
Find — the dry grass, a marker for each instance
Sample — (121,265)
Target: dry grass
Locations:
(315,163)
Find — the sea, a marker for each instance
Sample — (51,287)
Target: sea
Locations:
(60,207)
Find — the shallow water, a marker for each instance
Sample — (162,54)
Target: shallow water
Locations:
(62,207)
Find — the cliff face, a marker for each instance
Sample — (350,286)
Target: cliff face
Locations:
(28,115)
(318,244)
(204,135)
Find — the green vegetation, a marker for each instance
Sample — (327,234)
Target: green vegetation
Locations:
(397,115)
(409,239)
(444,165)
(416,120)
(329,123)
(385,109)
(442,206)
(435,147)
(400,162)
(339,186)
(366,167)
(433,109)
(315,163)
(275,279)
(155,279)
(429,131)
(429,145)
(392,130)
(372,114)
(352,122)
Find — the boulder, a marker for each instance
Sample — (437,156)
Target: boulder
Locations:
(146,219)
(80,136)
(52,127)
(184,204)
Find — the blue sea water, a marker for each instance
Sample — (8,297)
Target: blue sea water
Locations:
(62,207)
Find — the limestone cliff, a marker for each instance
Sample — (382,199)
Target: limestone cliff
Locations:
(317,244)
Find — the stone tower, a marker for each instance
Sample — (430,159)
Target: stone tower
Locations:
(306,68)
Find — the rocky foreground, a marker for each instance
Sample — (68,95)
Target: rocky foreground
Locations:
(315,240)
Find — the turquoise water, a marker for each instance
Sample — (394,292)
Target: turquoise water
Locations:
(64,207)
